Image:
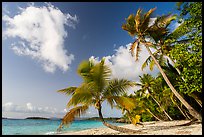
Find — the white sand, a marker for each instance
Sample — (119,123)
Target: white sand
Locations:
(149,128)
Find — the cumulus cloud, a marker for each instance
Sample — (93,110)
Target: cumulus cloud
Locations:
(29,108)
(123,65)
(152,20)
(42,32)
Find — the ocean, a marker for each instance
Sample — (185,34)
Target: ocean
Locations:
(45,127)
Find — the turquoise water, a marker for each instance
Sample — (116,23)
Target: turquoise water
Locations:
(43,127)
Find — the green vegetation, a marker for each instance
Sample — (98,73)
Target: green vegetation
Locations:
(41,118)
(183,47)
(95,89)
(174,94)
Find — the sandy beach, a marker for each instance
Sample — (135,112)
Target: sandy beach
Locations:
(148,128)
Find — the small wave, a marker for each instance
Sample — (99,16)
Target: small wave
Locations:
(50,133)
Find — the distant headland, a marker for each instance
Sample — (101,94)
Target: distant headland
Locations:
(43,118)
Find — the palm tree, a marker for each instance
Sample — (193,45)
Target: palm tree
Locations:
(140,108)
(95,89)
(138,25)
(147,81)
(144,104)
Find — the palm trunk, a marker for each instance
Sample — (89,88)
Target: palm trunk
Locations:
(191,110)
(182,112)
(153,115)
(196,99)
(179,72)
(174,102)
(120,129)
(160,106)
(59,128)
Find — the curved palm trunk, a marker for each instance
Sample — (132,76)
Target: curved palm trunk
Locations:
(160,106)
(191,110)
(153,115)
(187,115)
(197,99)
(179,72)
(120,129)
(174,102)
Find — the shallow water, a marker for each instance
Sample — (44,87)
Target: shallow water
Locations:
(44,127)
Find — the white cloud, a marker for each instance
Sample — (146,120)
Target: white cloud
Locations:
(152,20)
(42,32)
(29,108)
(123,65)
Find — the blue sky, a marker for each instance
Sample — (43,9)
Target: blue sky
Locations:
(37,61)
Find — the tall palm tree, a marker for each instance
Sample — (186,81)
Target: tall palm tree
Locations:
(147,81)
(138,25)
(95,89)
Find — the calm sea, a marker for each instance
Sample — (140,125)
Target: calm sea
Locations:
(43,127)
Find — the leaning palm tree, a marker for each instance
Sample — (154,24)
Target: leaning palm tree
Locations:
(95,89)
(138,25)
(161,55)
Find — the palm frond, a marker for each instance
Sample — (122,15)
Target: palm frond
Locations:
(101,74)
(151,65)
(148,60)
(159,29)
(124,102)
(130,25)
(146,19)
(111,101)
(135,45)
(82,95)
(165,20)
(69,117)
(132,47)
(68,91)
(84,69)
(161,60)
(117,87)
(138,19)
(144,65)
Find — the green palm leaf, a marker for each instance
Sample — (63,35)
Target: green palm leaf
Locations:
(100,74)
(82,95)
(125,102)
(69,117)
(146,19)
(84,69)
(151,65)
(68,91)
(122,102)
(159,29)
(130,25)
(144,65)
(117,87)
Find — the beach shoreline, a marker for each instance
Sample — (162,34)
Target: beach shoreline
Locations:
(148,128)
